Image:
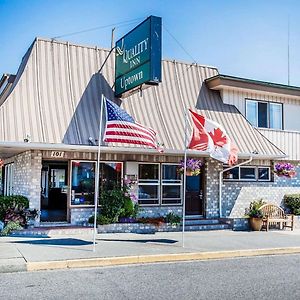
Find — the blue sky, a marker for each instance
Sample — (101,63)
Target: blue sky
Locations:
(241,38)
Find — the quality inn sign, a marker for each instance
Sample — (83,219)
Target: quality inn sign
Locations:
(138,58)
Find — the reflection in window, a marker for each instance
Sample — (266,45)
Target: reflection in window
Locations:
(171,184)
(264,114)
(83,183)
(264,174)
(251,173)
(148,182)
(110,175)
(247,173)
(231,174)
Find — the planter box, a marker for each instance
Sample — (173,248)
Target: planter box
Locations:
(136,228)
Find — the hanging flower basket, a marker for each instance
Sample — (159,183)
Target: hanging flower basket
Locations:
(193,167)
(284,170)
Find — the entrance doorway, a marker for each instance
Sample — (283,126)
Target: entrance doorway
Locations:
(194,204)
(54,191)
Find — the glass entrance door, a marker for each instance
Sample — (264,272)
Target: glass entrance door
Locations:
(54,191)
(194,198)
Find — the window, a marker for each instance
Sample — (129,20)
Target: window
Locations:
(171,184)
(8,179)
(83,183)
(148,184)
(264,114)
(249,173)
(110,175)
(83,180)
(263,174)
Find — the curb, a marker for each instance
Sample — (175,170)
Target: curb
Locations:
(143,259)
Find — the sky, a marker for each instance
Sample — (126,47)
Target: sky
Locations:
(241,38)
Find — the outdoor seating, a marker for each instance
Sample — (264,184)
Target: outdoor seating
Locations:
(273,214)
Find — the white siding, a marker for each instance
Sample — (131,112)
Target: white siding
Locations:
(287,141)
(291,106)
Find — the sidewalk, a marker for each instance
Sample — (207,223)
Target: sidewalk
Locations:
(41,253)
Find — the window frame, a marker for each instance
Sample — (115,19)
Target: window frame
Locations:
(70,181)
(149,184)
(9,170)
(162,184)
(268,113)
(249,180)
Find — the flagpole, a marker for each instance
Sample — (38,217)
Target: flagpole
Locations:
(97,174)
(184,177)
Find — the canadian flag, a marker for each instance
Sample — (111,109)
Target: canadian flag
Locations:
(210,136)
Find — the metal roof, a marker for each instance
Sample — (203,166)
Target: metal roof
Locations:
(56,99)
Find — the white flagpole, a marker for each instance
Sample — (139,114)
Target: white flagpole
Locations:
(97,174)
(184,177)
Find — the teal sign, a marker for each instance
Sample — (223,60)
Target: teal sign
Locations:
(138,58)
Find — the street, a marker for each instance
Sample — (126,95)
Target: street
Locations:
(269,277)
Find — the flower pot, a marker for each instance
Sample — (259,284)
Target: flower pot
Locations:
(189,173)
(256,224)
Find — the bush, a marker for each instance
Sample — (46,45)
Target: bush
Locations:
(11,226)
(13,206)
(292,202)
(101,220)
(172,218)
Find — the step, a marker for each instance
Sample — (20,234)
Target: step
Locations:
(206,227)
(192,217)
(201,221)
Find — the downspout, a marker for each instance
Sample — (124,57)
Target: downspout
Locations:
(221,181)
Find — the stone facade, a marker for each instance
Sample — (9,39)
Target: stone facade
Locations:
(136,228)
(236,196)
(211,187)
(80,216)
(27,177)
(159,211)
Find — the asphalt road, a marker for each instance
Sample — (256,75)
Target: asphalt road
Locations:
(270,277)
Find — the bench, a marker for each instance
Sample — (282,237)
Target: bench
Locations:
(273,214)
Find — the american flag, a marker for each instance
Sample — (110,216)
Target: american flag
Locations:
(121,128)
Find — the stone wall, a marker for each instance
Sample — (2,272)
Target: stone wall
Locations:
(80,215)
(27,177)
(236,196)
(159,211)
(211,187)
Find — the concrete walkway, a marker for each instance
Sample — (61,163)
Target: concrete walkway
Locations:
(40,253)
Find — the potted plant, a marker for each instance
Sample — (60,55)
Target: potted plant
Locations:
(193,167)
(255,214)
(283,169)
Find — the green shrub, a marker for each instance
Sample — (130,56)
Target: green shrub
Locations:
(101,220)
(292,202)
(172,218)
(11,226)
(128,208)
(254,209)
(15,203)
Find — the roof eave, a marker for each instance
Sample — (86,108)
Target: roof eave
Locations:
(220,82)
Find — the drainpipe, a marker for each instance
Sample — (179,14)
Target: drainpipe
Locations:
(221,181)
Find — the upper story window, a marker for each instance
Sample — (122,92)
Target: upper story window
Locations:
(264,114)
